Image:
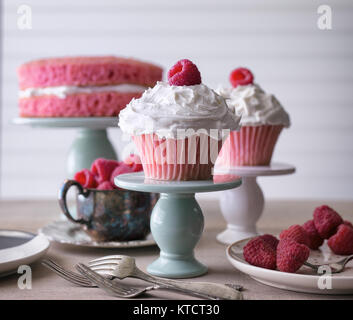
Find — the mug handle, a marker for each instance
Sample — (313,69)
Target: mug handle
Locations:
(63,203)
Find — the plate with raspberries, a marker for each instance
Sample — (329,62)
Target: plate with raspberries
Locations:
(279,261)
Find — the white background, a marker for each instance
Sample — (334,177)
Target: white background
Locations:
(309,70)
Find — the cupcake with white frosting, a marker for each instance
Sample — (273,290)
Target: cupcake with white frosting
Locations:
(178,127)
(262,120)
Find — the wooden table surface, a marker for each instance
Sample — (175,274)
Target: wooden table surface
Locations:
(31,215)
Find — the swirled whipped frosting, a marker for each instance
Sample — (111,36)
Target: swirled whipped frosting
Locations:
(178,111)
(255,106)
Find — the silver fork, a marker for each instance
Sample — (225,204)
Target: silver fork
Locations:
(121,266)
(233,293)
(336,267)
(121,290)
(84,281)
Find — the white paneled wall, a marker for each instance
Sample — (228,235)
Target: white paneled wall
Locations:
(309,70)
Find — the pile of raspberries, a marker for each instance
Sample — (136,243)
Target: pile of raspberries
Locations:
(103,171)
(292,249)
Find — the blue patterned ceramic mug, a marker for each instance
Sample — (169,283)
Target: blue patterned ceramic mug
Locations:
(108,215)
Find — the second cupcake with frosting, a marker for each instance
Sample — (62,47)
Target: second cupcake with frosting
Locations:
(262,120)
(178,127)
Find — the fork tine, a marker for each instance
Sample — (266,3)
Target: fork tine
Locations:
(109,264)
(102,262)
(68,278)
(111,257)
(64,271)
(86,272)
(100,278)
(100,281)
(102,268)
(70,274)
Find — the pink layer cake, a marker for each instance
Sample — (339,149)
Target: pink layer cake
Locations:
(82,86)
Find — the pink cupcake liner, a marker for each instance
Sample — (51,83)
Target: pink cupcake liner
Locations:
(251,146)
(177,159)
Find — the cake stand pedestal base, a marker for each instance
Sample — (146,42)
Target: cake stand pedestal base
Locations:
(176,222)
(91,142)
(243,207)
(89,145)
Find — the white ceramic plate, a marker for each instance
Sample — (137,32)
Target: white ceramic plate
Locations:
(66,232)
(305,280)
(20,248)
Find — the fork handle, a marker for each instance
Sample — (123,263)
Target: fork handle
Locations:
(213,290)
(203,289)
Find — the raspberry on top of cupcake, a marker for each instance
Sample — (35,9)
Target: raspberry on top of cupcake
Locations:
(246,99)
(82,86)
(177,110)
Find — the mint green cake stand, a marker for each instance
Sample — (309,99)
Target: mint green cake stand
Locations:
(90,143)
(177,221)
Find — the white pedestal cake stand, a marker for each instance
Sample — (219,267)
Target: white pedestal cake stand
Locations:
(242,207)
(91,141)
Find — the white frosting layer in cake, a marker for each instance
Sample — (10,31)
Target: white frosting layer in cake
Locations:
(64,91)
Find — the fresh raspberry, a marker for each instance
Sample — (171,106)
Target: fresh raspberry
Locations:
(259,253)
(120,169)
(241,77)
(184,73)
(296,233)
(291,255)
(134,161)
(315,241)
(271,240)
(103,168)
(86,178)
(342,241)
(326,221)
(106,185)
(348,223)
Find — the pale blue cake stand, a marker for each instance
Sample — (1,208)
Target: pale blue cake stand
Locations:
(177,221)
(90,143)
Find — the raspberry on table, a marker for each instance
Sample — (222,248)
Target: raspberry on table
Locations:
(326,221)
(315,241)
(342,241)
(241,77)
(86,178)
(271,240)
(291,255)
(184,73)
(296,233)
(259,253)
